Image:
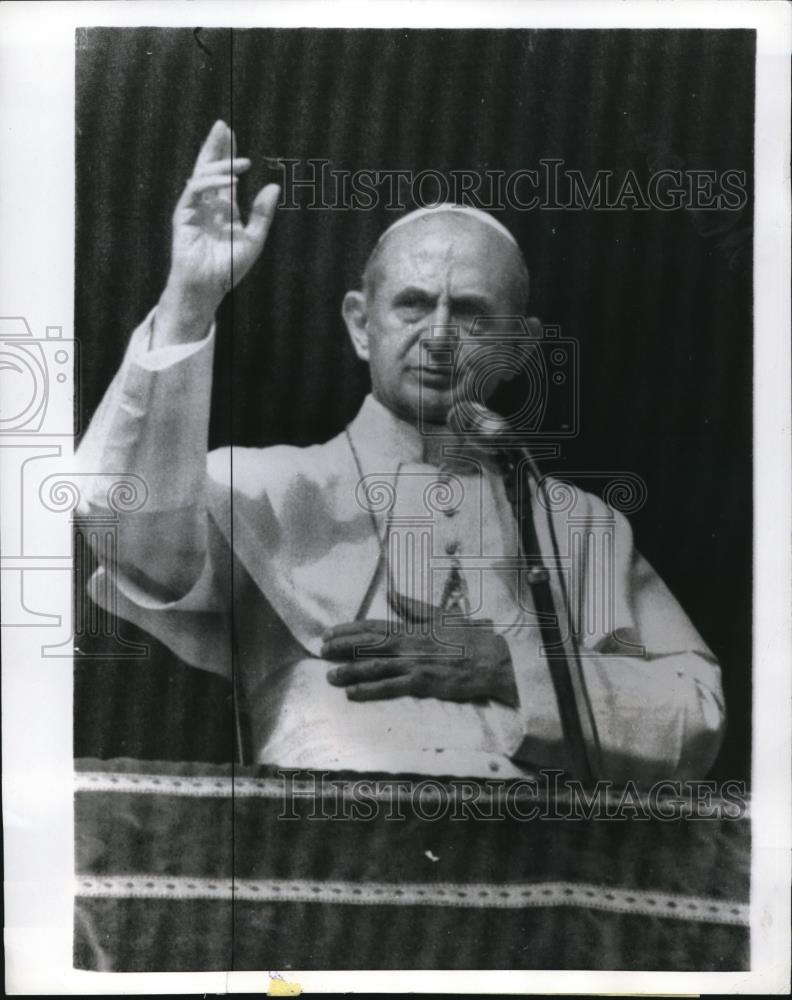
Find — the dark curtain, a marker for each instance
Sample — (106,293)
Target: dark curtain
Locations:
(660,302)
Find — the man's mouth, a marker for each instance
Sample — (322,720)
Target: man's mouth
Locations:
(435,375)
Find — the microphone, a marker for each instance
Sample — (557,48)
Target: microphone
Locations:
(478,426)
(473,420)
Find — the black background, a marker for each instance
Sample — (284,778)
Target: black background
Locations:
(660,302)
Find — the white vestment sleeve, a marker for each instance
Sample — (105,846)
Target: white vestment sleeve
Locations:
(171,559)
(153,421)
(659,714)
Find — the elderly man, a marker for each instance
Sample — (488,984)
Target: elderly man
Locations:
(281,565)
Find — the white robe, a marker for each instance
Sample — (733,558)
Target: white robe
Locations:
(250,556)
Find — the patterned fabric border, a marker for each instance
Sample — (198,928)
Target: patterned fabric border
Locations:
(470,896)
(226,786)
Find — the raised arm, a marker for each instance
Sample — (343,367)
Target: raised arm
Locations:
(153,421)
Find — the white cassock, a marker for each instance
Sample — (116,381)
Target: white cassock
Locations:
(261,551)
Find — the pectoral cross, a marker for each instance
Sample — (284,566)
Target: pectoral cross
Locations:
(454,600)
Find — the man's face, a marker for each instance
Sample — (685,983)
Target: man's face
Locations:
(434,277)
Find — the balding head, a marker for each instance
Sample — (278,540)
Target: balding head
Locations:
(470,229)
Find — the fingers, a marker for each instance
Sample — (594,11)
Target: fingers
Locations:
(366,670)
(347,640)
(367,625)
(359,644)
(210,182)
(219,144)
(390,687)
(262,213)
(198,186)
(237,165)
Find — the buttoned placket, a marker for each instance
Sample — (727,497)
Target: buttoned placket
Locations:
(455,598)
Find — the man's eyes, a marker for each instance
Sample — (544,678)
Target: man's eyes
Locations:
(470,310)
(413,306)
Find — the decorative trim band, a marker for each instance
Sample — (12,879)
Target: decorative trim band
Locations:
(383,789)
(474,895)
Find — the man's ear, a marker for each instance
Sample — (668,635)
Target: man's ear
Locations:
(355,313)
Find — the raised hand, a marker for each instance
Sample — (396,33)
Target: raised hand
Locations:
(212,248)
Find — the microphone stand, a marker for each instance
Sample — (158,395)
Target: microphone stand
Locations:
(538,575)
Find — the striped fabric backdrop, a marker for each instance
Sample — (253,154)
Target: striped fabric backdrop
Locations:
(659,301)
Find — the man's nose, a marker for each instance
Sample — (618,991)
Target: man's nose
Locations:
(441,345)
(448,333)
(442,329)
(442,314)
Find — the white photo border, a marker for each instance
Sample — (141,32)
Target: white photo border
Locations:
(37,94)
